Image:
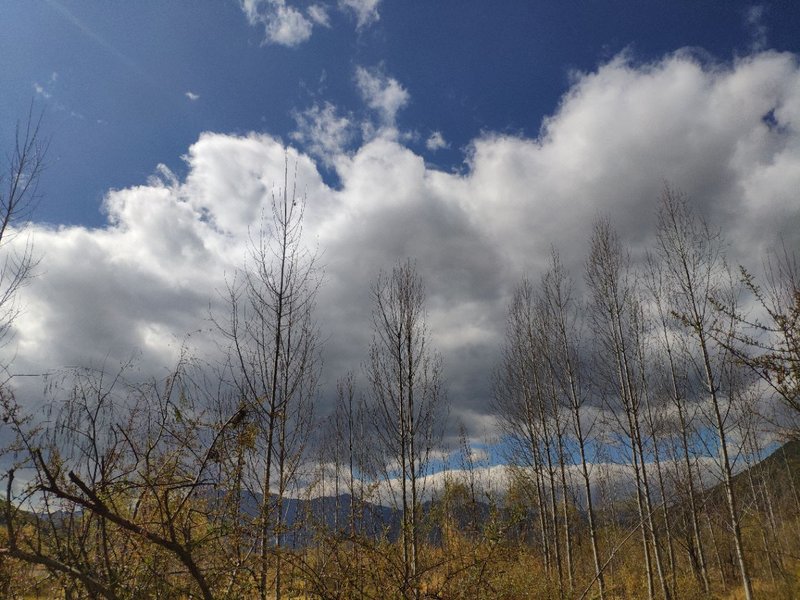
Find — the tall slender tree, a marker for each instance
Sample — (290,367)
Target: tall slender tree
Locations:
(523,405)
(408,401)
(274,362)
(616,321)
(564,331)
(694,263)
(676,375)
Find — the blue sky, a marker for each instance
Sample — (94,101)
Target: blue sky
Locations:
(113,78)
(467,135)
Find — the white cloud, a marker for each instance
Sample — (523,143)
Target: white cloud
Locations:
(365,11)
(148,277)
(381,93)
(319,15)
(323,132)
(283,24)
(192,96)
(286,25)
(436,142)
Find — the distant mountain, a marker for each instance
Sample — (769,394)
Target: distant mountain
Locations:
(780,469)
(304,519)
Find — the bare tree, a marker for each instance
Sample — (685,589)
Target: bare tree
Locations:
(524,407)
(769,343)
(564,330)
(408,401)
(677,390)
(274,360)
(122,476)
(652,408)
(18,198)
(616,320)
(694,264)
(344,543)
(350,434)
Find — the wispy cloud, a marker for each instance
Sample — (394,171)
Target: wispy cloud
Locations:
(754,21)
(365,11)
(46,91)
(436,142)
(283,24)
(323,132)
(191,95)
(319,14)
(381,93)
(40,91)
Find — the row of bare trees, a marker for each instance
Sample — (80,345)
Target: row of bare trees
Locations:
(657,368)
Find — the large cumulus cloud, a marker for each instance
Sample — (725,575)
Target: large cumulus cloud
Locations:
(726,134)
